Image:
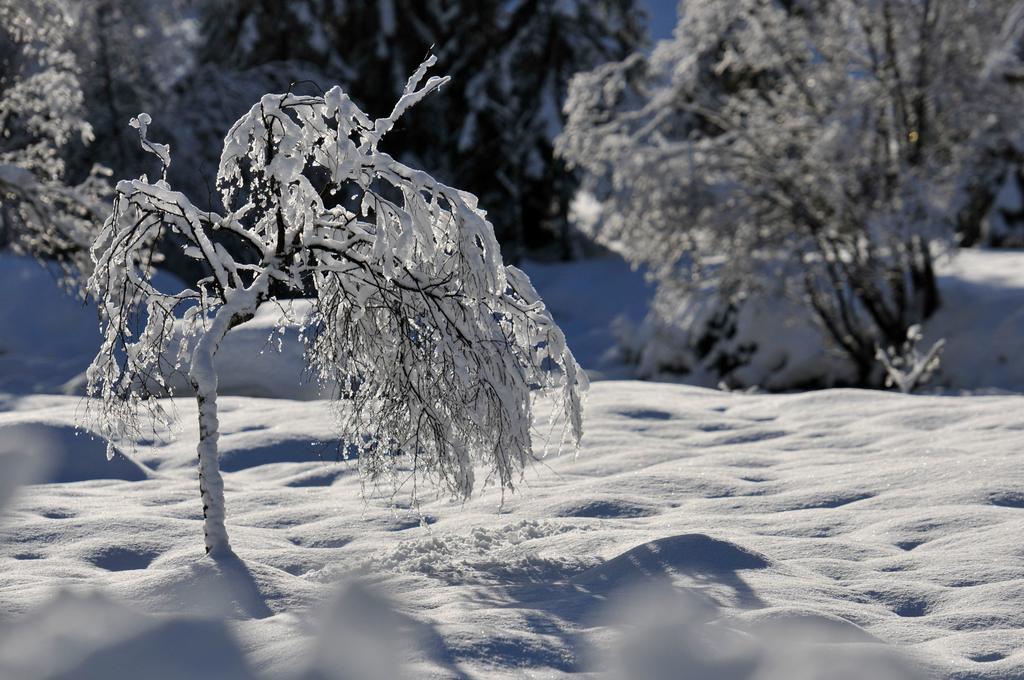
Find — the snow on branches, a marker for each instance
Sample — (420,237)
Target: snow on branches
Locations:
(41,112)
(436,347)
(906,368)
(804,145)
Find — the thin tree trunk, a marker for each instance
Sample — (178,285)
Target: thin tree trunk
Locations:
(240,308)
(211,484)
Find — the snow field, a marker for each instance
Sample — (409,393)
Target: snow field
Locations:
(738,536)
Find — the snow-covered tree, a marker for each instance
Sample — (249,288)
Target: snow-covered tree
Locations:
(130,53)
(989,202)
(436,346)
(806,144)
(41,113)
(513,109)
(510,64)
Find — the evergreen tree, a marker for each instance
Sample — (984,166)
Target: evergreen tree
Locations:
(509,62)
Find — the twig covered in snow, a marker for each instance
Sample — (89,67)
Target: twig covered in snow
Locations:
(905,367)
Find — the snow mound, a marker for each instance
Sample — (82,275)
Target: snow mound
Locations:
(291,450)
(604,508)
(661,631)
(687,554)
(772,344)
(70,454)
(256,360)
(92,637)
(212,652)
(982,320)
(21,463)
(589,299)
(47,336)
(48,353)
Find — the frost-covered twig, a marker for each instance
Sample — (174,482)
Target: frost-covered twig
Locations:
(906,368)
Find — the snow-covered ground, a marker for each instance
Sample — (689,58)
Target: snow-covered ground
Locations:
(588,298)
(816,525)
(982,320)
(47,339)
(697,534)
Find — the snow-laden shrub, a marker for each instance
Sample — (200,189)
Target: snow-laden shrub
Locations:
(809,144)
(987,205)
(436,347)
(41,113)
(759,340)
(657,631)
(906,367)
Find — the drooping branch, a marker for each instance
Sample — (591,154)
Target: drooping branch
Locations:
(435,348)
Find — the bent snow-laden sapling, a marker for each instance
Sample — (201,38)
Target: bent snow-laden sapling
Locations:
(435,347)
(905,367)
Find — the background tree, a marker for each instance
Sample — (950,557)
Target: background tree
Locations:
(510,64)
(130,55)
(808,143)
(42,114)
(435,345)
(989,202)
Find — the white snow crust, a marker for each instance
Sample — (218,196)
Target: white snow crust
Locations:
(751,536)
